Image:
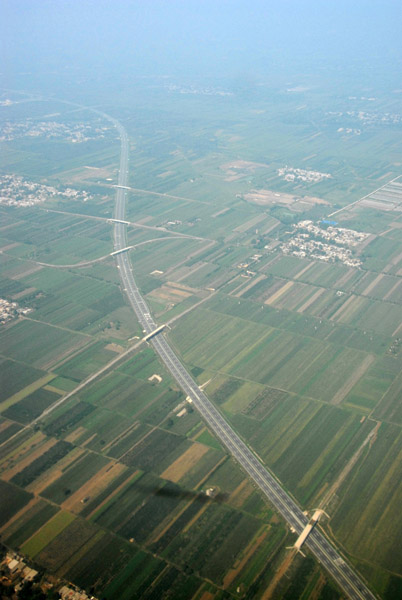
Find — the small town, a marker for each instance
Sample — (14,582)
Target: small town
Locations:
(19,580)
(76,133)
(349,131)
(369,118)
(16,191)
(292,174)
(205,91)
(11,310)
(329,244)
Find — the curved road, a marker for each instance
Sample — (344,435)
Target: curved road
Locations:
(342,573)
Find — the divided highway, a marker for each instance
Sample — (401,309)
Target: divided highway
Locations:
(323,550)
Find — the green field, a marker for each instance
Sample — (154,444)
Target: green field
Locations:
(302,356)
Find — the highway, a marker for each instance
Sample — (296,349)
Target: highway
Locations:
(323,550)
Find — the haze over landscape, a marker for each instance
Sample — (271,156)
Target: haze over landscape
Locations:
(200,300)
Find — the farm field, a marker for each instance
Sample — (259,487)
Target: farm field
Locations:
(302,356)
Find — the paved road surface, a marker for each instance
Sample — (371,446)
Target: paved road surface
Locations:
(347,579)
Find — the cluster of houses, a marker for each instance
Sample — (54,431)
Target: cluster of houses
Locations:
(10,310)
(16,191)
(292,174)
(75,132)
(16,574)
(329,244)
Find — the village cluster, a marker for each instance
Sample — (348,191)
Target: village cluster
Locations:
(369,118)
(75,133)
(16,191)
(16,575)
(329,244)
(204,91)
(11,310)
(349,131)
(292,174)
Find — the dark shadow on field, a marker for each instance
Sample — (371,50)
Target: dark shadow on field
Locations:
(175,492)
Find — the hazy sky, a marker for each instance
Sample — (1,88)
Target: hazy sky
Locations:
(158,36)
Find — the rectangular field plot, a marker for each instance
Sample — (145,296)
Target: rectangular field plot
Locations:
(142,365)
(156,451)
(288,267)
(46,460)
(74,301)
(12,499)
(279,358)
(380,253)
(360,520)
(73,249)
(304,442)
(29,522)
(60,239)
(123,394)
(65,418)
(102,563)
(156,513)
(164,254)
(378,387)
(74,477)
(215,339)
(388,197)
(269,359)
(30,407)
(99,429)
(114,513)
(186,462)
(81,317)
(381,317)
(39,345)
(15,376)
(67,544)
(215,529)
(325,304)
(47,533)
(381,287)
(390,408)
(198,472)
(8,429)
(88,361)
(297,297)
(323,274)
(135,578)
(306,464)
(240,397)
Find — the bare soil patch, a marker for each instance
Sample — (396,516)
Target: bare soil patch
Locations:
(250,550)
(93,486)
(52,475)
(311,300)
(74,435)
(19,514)
(25,449)
(85,173)
(28,271)
(207,596)
(353,379)
(115,348)
(278,575)
(9,474)
(240,494)
(115,491)
(279,293)
(270,198)
(185,462)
